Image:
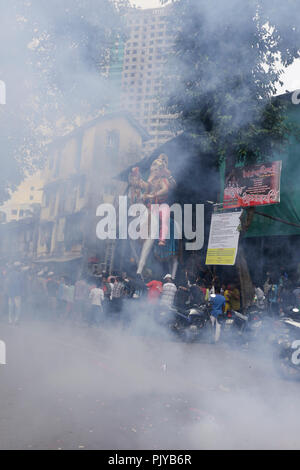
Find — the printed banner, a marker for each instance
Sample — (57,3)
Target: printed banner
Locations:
(223,238)
(254,185)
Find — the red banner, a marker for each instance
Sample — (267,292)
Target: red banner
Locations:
(254,185)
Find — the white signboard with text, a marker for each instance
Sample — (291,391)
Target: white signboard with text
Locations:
(223,238)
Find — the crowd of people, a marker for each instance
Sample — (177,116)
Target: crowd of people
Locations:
(27,291)
(43,294)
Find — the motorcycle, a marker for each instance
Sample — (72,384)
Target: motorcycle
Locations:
(286,344)
(259,324)
(166,316)
(232,324)
(251,325)
(189,323)
(193,322)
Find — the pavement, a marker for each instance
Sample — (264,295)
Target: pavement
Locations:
(71,387)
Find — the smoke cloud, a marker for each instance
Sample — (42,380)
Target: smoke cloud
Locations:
(66,386)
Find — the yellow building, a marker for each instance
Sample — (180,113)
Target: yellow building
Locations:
(19,221)
(25,201)
(80,176)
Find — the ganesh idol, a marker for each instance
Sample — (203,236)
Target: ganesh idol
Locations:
(155,192)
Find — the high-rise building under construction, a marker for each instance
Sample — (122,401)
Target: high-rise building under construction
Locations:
(139,63)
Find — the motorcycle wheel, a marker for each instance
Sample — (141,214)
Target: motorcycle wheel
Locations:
(189,336)
(283,368)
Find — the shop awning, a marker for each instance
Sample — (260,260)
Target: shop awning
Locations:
(63,259)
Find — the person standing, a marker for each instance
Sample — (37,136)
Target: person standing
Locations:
(52,290)
(273,297)
(3,293)
(296,294)
(182,298)
(227,292)
(259,298)
(61,297)
(107,289)
(196,294)
(80,298)
(15,291)
(129,288)
(96,297)
(154,291)
(117,295)
(69,296)
(218,303)
(234,298)
(168,292)
(267,284)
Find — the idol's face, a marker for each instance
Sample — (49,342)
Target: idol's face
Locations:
(154,168)
(163,158)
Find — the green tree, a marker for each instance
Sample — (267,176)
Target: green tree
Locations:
(226,64)
(222,75)
(53,57)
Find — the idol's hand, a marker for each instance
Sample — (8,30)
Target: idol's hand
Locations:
(148,196)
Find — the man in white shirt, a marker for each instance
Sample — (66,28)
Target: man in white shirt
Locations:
(96,296)
(168,292)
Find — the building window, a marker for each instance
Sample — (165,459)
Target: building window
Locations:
(112,143)
(50,163)
(46,198)
(82,186)
(57,165)
(46,235)
(78,153)
(52,206)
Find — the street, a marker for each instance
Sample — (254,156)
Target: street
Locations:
(71,387)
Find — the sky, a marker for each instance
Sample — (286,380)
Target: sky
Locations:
(146,3)
(291,78)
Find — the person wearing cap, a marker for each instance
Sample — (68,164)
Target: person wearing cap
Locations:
(168,291)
